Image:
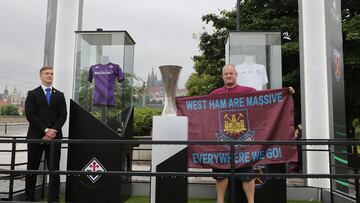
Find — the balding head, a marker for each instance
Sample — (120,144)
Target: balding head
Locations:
(229,75)
(229,67)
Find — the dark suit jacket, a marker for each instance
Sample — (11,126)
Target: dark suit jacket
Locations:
(40,115)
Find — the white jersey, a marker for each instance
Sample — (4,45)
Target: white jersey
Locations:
(251,75)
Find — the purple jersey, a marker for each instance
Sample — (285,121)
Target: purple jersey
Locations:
(104,76)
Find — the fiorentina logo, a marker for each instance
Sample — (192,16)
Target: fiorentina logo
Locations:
(234,126)
(94,166)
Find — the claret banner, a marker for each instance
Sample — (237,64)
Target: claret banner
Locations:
(256,116)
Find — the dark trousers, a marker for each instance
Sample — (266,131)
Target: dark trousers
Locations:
(34,157)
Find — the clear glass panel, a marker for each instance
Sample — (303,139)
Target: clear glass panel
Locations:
(257,58)
(104,69)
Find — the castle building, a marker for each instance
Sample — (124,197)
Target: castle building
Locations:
(154,88)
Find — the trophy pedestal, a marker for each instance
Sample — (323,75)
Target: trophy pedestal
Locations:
(169,158)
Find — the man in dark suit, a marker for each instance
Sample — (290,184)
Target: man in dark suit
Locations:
(45,110)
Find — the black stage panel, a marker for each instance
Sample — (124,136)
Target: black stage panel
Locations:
(172,189)
(95,157)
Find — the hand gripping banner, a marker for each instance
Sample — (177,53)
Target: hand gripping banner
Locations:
(256,116)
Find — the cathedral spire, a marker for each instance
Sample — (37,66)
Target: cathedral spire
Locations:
(152,72)
(6,91)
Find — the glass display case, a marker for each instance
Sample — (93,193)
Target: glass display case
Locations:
(103,82)
(257,58)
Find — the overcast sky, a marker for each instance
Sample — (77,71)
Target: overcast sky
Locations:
(162,29)
(21,42)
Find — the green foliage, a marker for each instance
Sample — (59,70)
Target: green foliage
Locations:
(85,94)
(123,92)
(356,126)
(201,84)
(9,110)
(138,95)
(209,63)
(143,120)
(351,30)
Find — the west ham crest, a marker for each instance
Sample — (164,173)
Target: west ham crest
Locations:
(234,126)
(260,181)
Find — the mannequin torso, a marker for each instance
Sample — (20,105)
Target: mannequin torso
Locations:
(251,73)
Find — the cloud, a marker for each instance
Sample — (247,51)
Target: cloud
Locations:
(22,42)
(163,31)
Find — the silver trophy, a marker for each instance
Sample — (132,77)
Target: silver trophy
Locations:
(170,75)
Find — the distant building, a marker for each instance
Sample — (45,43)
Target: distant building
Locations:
(5,96)
(14,98)
(155,89)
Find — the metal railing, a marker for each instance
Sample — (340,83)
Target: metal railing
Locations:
(12,177)
(13,128)
(232,174)
(355,160)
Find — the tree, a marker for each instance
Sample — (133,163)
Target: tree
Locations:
(351,37)
(143,120)
(201,84)
(283,16)
(139,95)
(9,110)
(212,58)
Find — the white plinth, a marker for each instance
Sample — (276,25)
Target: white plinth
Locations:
(174,128)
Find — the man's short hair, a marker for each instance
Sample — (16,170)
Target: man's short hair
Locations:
(226,65)
(45,67)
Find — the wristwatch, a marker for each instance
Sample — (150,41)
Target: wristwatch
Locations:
(46,130)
